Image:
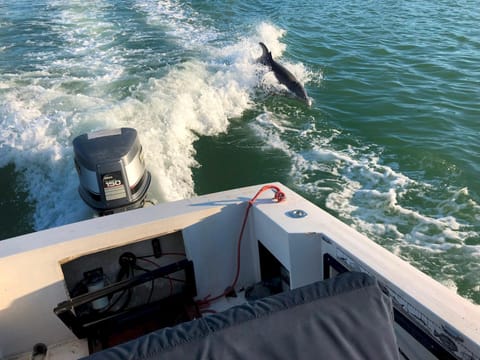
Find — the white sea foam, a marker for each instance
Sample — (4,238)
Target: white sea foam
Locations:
(370,195)
(180,21)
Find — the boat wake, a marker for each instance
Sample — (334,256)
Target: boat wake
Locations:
(173,81)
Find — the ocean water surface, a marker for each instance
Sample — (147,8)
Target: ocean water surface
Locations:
(390,144)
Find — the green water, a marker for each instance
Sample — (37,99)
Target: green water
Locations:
(389,145)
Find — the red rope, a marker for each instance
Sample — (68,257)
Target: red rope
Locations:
(279,196)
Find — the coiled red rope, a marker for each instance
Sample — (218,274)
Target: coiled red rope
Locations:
(278,197)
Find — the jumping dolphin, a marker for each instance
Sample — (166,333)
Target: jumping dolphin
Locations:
(283,76)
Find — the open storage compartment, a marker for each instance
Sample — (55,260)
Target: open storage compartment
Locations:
(121,293)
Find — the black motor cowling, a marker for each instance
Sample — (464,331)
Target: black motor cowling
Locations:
(111,168)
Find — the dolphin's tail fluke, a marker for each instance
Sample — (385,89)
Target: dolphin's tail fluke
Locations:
(266,58)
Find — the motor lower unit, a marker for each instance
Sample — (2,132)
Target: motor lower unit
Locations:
(111,168)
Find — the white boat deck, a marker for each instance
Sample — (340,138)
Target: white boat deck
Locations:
(32,282)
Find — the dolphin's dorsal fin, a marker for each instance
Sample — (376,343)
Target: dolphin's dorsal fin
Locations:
(266,58)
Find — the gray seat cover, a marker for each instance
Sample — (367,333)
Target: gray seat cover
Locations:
(346,317)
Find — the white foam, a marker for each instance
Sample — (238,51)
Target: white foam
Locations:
(371,195)
(268,119)
(270,35)
(180,21)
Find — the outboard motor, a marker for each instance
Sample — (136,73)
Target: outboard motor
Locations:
(111,168)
